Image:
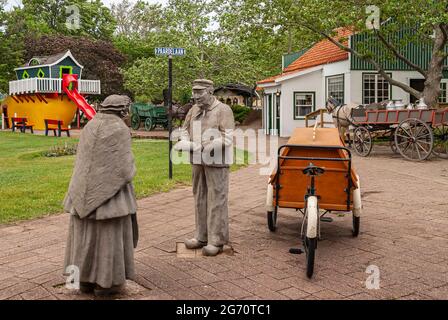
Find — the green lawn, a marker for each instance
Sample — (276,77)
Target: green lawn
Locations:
(32,185)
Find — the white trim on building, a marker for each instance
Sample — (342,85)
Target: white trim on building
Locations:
(314,80)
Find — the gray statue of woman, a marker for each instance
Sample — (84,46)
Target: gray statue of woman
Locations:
(103,228)
(211,172)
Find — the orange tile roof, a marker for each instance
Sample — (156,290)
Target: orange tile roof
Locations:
(322,52)
(270,79)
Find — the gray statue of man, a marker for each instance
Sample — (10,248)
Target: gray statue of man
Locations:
(103,228)
(207,134)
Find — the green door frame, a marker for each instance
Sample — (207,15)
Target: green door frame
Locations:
(65,67)
(71,72)
(270,113)
(277,113)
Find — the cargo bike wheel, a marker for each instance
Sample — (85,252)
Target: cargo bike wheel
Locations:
(362,141)
(414,139)
(311,219)
(272,220)
(271,209)
(357,209)
(311,236)
(356,224)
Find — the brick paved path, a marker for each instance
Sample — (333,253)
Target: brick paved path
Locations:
(403,231)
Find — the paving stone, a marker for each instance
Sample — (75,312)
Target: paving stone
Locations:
(230,289)
(294,293)
(210,293)
(405,236)
(16,289)
(35,294)
(258,290)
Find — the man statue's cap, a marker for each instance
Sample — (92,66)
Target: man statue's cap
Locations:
(200,84)
(116,102)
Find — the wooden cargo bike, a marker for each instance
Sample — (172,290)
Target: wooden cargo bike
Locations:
(315,176)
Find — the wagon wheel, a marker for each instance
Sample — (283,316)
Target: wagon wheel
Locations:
(135,121)
(414,139)
(362,141)
(272,219)
(440,148)
(149,124)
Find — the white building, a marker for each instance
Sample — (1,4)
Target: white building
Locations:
(324,70)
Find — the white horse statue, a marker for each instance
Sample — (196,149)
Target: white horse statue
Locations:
(342,114)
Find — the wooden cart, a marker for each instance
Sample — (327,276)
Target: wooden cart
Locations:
(415,134)
(149,114)
(314,175)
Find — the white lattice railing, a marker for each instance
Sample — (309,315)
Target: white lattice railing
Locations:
(22,86)
(51,85)
(89,86)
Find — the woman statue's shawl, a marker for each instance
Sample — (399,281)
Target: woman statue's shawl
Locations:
(104,163)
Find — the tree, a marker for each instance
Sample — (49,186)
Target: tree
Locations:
(137,25)
(425,20)
(101,60)
(224,40)
(10,51)
(190,22)
(51,16)
(251,27)
(140,18)
(185,25)
(147,77)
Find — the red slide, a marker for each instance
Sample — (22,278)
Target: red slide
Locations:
(75,96)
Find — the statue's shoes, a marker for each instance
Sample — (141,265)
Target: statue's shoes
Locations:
(194,243)
(100,291)
(211,250)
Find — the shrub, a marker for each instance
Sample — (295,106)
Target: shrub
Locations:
(59,151)
(240,112)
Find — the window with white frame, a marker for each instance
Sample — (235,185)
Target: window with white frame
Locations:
(443,98)
(335,87)
(303,103)
(374,88)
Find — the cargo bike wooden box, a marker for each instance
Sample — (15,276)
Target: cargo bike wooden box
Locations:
(315,176)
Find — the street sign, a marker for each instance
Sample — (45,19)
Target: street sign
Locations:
(169,51)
